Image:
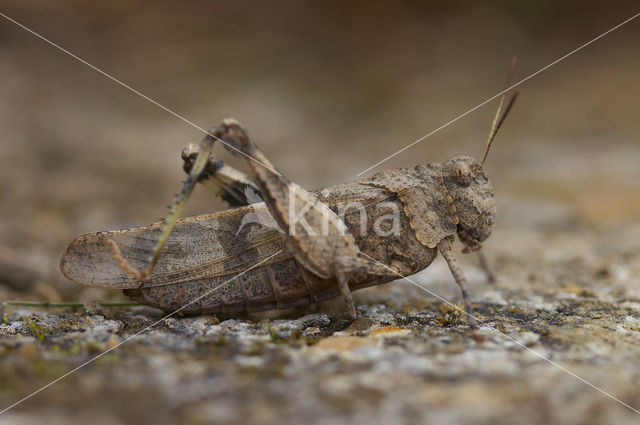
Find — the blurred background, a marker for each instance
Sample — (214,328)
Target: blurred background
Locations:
(327,89)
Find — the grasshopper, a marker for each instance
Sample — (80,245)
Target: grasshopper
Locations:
(294,247)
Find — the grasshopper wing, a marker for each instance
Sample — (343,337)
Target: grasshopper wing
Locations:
(203,247)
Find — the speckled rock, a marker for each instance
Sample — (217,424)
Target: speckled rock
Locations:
(550,322)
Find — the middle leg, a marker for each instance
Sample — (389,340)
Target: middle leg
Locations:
(445,249)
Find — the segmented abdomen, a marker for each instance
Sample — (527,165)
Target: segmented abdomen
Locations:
(282,284)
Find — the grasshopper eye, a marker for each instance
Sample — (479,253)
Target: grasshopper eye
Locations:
(461,173)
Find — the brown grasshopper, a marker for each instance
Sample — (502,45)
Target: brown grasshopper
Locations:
(296,247)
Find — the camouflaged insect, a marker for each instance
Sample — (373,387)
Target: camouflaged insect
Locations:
(294,248)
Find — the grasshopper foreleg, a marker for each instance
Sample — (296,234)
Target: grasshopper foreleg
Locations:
(486,266)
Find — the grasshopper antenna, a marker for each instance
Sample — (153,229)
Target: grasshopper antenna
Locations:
(498,119)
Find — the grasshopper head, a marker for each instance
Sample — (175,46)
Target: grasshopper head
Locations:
(469,186)
(472,195)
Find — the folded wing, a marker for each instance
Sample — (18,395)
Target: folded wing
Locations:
(203,247)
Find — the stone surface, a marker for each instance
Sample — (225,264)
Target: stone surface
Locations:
(563,319)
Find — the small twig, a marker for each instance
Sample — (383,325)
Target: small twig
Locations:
(70,304)
(120,304)
(67,304)
(42,304)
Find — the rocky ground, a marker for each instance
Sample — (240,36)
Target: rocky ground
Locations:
(559,343)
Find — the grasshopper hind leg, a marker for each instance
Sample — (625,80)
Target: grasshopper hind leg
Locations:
(316,236)
(226,182)
(197,169)
(201,166)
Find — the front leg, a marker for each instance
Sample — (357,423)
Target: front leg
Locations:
(484,262)
(486,266)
